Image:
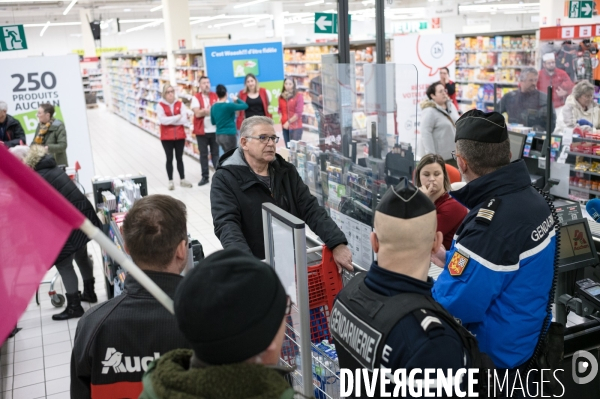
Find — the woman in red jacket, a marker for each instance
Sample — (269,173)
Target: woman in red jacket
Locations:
(291,106)
(172,116)
(431,177)
(256,98)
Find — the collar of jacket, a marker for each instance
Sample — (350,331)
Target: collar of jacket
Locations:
(236,163)
(508,179)
(432,104)
(166,281)
(386,282)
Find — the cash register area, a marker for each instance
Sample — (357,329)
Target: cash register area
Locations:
(36,362)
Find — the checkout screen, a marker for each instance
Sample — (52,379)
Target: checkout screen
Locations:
(594,290)
(574,241)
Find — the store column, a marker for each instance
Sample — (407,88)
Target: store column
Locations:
(277,20)
(87,38)
(178,32)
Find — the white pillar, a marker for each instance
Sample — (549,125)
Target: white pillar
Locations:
(87,38)
(176,14)
(277,15)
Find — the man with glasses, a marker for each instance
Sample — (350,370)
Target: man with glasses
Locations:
(253,174)
(527,105)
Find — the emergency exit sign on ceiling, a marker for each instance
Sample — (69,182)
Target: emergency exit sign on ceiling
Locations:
(12,38)
(328,23)
(581,9)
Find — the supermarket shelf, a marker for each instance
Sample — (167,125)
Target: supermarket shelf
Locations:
(297,75)
(494,51)
(579,154)
(584,172)
(300,87)
(490,67)
(469,100)
(301,62)
(585,190)
(186,82)
(485,82)
(310,127)
(189,68)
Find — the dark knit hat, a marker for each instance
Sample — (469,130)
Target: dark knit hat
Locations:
(485,127)
(405,201)
(230,307)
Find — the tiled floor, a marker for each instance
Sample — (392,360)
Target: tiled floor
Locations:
(35,364)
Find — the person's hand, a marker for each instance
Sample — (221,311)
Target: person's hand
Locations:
(427,190)
(286,125)
(343,257)
(561,92)
(439,258)
(234,98)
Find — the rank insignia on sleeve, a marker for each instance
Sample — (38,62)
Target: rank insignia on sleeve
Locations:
(487,211)
(457,264)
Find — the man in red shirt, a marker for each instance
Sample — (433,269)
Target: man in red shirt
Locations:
(449,85)
(561,83)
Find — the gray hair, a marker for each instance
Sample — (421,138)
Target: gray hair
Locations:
(20,151)
(249,123)
(484,158)
(526,71)
(582,88)
(3,106)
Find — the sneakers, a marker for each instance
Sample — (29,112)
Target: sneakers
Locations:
(203,181)
(171,185)
(185,183)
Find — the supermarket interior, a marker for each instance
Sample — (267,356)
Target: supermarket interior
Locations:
(363,97)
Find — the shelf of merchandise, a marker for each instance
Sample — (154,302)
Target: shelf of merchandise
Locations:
(585,172)
(491,58)
(135,83)
(92,79)
(302,62)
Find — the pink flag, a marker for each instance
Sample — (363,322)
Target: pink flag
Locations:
(35,222)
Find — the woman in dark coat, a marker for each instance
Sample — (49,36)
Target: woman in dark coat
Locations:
(76,246)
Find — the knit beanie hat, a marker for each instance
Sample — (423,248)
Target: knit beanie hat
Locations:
(230,307)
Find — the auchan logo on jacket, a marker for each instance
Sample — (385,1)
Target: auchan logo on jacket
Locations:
(126,364)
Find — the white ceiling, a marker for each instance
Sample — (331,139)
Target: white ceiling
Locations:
(136,12)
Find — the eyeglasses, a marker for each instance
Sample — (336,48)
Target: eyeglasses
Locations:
(453,155)
(170,91)
(264,138)
(288,307)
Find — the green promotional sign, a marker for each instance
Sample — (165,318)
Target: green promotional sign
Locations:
(242,68)
(12,38)
(328,23)
(581,9)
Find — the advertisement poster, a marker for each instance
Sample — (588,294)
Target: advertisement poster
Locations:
(25,83)
(229,64)
(428,53)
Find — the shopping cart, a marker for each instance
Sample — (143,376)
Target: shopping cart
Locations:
(73,173)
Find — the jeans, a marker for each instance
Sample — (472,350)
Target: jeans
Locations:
(227,141)
(67,272)
(169,146)
(292,134)
(205,141)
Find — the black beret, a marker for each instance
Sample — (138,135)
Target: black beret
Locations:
(485,127)
(230,307)
(405,201)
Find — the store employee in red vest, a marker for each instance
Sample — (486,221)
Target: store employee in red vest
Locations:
(257,99)
(204,130)
(172,116)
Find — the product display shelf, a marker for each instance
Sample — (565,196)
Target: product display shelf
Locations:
(303,64)
(136,88)
(91,77)
(489,65)
(584,160)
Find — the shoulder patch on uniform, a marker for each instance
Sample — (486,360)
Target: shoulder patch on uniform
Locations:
(488,210)
(458,263)
(428,320)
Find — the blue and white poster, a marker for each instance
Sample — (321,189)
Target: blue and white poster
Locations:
(229,64)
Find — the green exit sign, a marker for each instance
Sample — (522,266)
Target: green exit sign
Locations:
(581,9)
(328,23)
(12,38)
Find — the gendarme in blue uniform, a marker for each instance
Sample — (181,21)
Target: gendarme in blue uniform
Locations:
(500,266)
(409,345)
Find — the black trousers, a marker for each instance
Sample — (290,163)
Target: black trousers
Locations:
(205,141)
(67,272)
(177,146)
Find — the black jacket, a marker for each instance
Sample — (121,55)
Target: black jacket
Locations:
(237,194)
(46,167)
(117,340)
(14,134)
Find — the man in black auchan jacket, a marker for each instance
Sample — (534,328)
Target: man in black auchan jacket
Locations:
(117,340)
(253,174)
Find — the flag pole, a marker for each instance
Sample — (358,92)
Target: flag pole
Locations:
(118,256)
